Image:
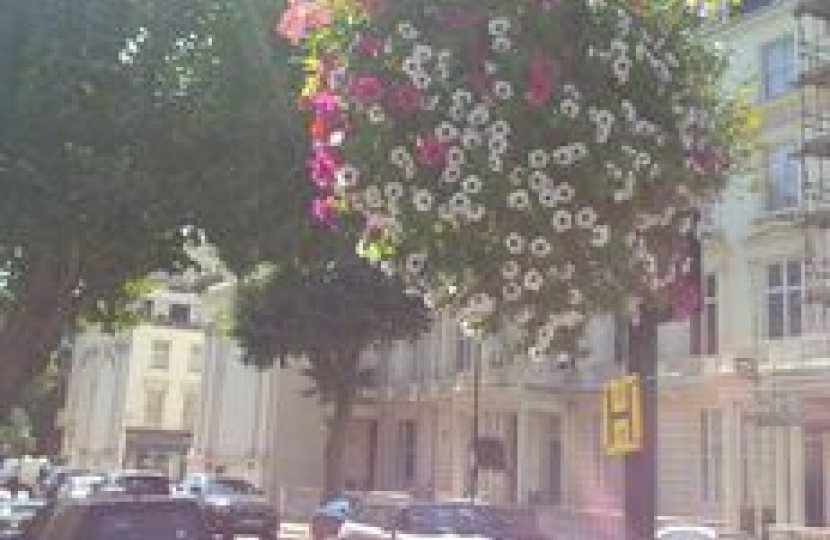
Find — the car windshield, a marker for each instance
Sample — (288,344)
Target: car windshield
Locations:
(141,523)
(232,486)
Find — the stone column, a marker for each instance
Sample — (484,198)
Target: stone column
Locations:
(797,475)
(782,470)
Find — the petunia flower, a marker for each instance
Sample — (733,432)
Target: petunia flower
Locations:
(324,165)
(432,152)
(540,81)
(323,209)
(406,98)
(366,88)
(302,16)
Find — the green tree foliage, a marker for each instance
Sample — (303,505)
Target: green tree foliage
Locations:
(327,313)
(129,130)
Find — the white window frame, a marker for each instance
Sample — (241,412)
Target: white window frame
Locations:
(154,410)
(160,350)
(708,331)
(778,66)
(787,291)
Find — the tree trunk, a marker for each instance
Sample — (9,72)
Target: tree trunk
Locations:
(338,426)
(33,327)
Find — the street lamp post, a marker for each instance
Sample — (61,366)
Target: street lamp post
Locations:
(475,468)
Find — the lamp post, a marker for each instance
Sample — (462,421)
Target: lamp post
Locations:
(474,473)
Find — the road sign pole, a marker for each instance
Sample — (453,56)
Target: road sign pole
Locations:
(640,493)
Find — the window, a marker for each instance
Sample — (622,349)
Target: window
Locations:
(777,66)
(179,314)
(466,351)
(194,361)
(407,439)
(711,454)
(154,399)
(783,179)
(784,299)
(190,408)
(160,355)
(704,331)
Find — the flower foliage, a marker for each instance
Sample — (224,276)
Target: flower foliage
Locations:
(526,163)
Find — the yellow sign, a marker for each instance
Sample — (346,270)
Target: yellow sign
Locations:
(622,416)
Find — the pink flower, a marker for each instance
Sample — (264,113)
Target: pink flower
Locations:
(540,81)
(326,104)
(323,209)
(301,16)
(406,98)
(366,88)
(369,45)
(432,152)
(324,165)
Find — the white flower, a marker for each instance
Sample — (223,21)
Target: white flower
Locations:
(537,354)
(496,164)
(451,174)
(572,91)
(416,263)
(600,235)
(499,128)
(421,81)
(562,221)
(459,203)
(373,197)
(570,108)
(407,31)
(471,138)
(510,270)
(497,145)
(421,52)
(347,176)
(400,157)
(446,132)
(456,112)
(516,176)
(548,198)
(539,182)
(387,268)
(455,156)
(423,200)
(503,90)
(412,66)
(533,280)
(462,98)
(471,184)
(586,218)
(511,291)
(515,243)
(409,171)
(579,151)
(479,115)
(336,138)
(540,247)
(502,44)
(429,103)
(518,200)
(376,114)
(475,212)
(564,155)
(629,111)
(498,26)
(621,67)
(538,158)
(575,297)
(565,192)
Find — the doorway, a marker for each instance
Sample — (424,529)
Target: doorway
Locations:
(814,515)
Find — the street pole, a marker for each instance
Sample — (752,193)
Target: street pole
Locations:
(476,406)
(640,492)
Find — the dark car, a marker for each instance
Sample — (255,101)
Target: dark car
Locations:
(135,482)
(233,506)
(133,518)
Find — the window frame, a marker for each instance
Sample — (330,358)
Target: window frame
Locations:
(155,354)
(782,169)
(786,291)
(771,86)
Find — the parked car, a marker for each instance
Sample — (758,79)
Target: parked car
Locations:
(133,518)
(233,506)
(56,478)
(14,513)
(81,486)
(135,482)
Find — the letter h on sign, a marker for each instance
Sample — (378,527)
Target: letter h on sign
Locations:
(622,426)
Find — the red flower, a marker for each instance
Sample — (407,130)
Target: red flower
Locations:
(366,88)
(406,98)
(432,152)
(540,81)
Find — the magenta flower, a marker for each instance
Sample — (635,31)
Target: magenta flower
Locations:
(324,165)
(369,45)
(432,152)
(406,98)
(540,81)
(366,88)
(326,103)
(323,209)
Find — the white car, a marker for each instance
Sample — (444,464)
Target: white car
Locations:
(686,532)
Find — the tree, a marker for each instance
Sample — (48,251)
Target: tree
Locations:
(131,130)
(327,313)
